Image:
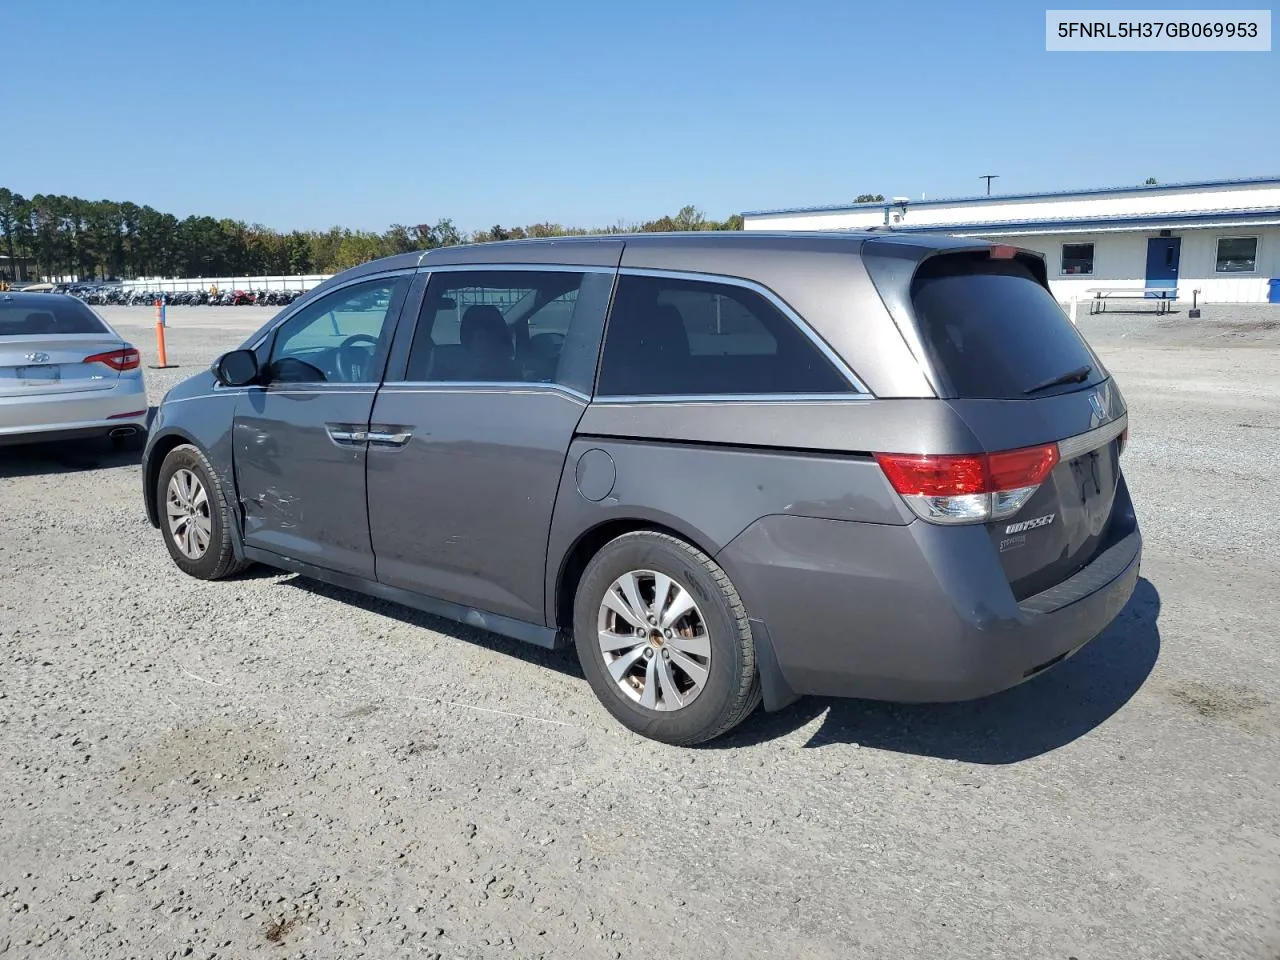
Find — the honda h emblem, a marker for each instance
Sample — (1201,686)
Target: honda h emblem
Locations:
(1098,400)
(38,357)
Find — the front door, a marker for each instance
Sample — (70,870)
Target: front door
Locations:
(300,438)
(1162,264)
(467,449)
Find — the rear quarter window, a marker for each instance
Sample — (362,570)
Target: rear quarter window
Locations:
(993,331)
(675,337)
(54,316)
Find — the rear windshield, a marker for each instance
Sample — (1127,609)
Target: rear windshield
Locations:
(994,332)
(46,316)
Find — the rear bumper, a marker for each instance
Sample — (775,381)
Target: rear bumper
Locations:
(113,428)
(83,413)
(914,613)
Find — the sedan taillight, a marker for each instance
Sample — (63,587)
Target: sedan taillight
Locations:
(970,487)
(125,359)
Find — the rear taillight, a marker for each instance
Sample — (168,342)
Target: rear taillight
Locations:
(125,359)
(970,487)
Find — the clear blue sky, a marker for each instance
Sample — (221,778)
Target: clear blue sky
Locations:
(514,111)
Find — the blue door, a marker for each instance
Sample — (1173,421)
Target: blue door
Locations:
(1162,263)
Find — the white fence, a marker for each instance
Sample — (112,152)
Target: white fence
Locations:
(157,284)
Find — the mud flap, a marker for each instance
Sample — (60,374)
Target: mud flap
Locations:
(777,693)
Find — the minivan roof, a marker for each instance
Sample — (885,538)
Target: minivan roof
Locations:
(515,251)
(605,249)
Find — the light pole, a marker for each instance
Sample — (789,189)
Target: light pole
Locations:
(989,177)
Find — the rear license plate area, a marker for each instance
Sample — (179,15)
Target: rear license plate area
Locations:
(1095,479)
(39,374)
(1086,469)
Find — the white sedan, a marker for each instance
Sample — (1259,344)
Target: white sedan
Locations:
(65,374)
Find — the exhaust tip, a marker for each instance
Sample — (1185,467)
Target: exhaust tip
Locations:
(121,432)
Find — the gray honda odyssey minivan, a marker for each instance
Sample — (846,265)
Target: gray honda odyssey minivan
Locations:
(727,467)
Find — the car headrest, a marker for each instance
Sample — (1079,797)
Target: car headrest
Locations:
(40,322)
(484,321)
(658,331)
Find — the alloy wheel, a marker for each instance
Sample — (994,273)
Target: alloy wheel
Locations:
(187,509)
(654,640)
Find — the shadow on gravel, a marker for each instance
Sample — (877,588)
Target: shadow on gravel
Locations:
(72,456)
(566,661)
(1037,717)
(1044,713)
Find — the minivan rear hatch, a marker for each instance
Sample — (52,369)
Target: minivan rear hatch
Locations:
(1037,400)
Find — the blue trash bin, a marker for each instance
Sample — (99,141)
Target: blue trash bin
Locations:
(1274,295)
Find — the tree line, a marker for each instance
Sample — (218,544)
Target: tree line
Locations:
(103,239)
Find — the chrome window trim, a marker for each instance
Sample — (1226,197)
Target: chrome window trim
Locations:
(318,386)
(221,391)
(347,388)
(803,325)
(720,398)
(1083,443)
(305,302)
(516,267)
(483,386)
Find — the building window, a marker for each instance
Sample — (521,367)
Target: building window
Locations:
(1237,254)
(1077,258)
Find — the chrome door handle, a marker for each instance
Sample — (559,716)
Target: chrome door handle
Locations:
(386,438)
(346,433)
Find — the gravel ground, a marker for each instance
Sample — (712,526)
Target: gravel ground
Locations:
(274,767)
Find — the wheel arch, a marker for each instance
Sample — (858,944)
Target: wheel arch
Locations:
(777,692)
(590,542)
(157,450)
(153,461)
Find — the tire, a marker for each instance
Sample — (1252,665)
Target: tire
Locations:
(622,677)
(209,513)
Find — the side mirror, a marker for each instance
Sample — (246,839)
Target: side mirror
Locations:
(239,368)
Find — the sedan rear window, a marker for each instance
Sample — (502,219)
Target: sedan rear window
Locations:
(47,316)
(993,332)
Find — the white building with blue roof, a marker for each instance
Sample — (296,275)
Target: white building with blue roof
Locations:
(1221,237)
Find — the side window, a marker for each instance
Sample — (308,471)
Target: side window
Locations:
(693,337)
(337,338)
(510,326)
